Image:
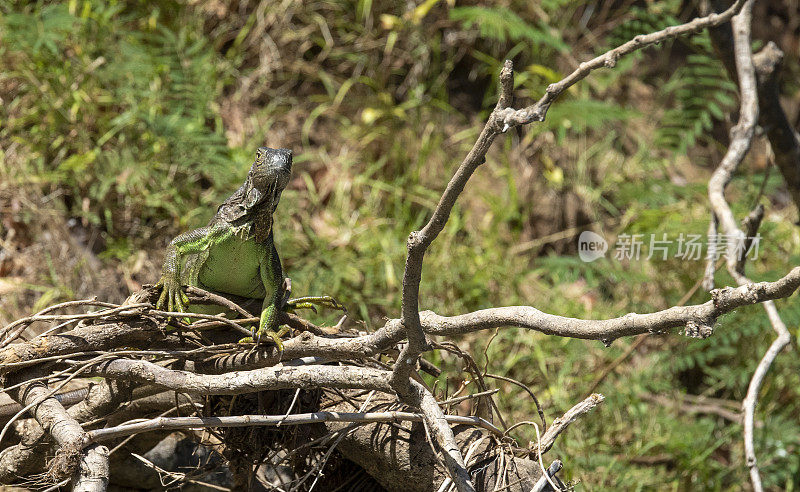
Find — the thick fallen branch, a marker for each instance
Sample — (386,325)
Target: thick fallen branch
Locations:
(266,379)
(27,456)
(88,467)
(131,332)
(93,473)
(436,421)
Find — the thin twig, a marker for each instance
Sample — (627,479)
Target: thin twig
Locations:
(184,423)
(20,325)
(212,317)
(453,401)
(27,320)
(546,475)
(527,390)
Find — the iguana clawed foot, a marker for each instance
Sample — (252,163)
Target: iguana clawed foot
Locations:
(290,306)
(172,297)
(274,335)
(310,302)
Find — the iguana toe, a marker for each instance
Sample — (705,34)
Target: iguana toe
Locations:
(312,301)
(162,299)
(273,335)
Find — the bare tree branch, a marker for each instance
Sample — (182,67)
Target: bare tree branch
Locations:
(437,422)
(723,301)
(89,466)
(741,138)
(783,339)
(269,378)
(93,473)
(419,241)
(783,139)
(502,118)
(98,400)
(559,425)
(183,423)
(538,111)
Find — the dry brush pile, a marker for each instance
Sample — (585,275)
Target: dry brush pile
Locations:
(100,389)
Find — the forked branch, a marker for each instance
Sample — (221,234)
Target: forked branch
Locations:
(741,138)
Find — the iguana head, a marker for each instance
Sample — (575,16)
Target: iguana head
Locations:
(267,178)
(262,189)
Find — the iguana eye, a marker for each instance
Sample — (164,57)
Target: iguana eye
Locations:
(261,155)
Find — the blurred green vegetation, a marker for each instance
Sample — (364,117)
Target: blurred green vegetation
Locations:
(133,120)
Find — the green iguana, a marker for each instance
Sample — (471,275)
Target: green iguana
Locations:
(235,253)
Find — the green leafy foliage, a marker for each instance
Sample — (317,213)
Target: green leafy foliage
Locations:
(128,108)
(502,24)
(698,94)
(702,97)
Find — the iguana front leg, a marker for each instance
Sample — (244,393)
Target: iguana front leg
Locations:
(272,277)
(197,241)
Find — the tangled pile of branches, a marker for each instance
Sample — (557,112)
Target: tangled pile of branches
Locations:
(154,364)
(277,417)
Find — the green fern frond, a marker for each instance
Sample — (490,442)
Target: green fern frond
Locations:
(699,94)
(501,24)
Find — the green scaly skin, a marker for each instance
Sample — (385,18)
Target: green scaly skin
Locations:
(235,253)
